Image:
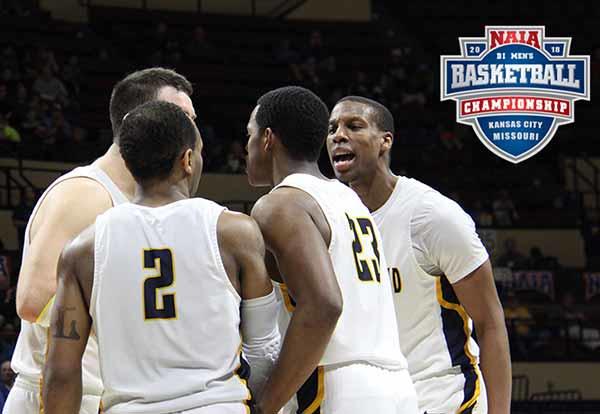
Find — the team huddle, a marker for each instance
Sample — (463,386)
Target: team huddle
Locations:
(360,294)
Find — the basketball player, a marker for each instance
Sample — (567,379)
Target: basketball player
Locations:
(327,251)
(70,204)
(176,347)
(442,278)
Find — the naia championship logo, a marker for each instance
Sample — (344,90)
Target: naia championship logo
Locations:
(515,87)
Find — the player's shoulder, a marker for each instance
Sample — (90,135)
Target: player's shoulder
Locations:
(440,211)
(71,203)
(282,204)
(76,192)
(235,228)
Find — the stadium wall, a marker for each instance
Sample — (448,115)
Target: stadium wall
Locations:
(558,376)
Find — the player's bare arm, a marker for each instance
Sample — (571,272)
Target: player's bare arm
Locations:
(477,293)
(69,208)
(297,234)
(243,252)
(70,327)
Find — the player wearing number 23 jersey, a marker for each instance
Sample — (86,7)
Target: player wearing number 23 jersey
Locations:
(340,354)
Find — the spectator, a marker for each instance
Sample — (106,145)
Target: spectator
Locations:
(536,260)
(9,59)
(481,214)
(7,376)
(5,102)
(199,47)
(592,247)
(45,59)
(285,54)
(21,102)
(519,320)
(573,319)
(8,336)
(311,79)
(505,213)
(317,53)
(72,74)
(413,94)
(22,212)
(236,159)
(60,131)
(9,76)
(360,85)
(50,87)
(511,257)
(7,132)
(397,64)
(32,123)
(161,36)
(449,138)
(81,149)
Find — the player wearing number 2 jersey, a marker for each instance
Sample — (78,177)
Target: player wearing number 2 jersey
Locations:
(166,282)
(70,204)
(441,272)
(339,354)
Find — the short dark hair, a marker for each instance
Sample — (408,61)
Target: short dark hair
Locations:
(298,117)
(153,136)
(383,118)
(140,87)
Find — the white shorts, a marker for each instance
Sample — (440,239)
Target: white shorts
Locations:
(24,398)
(453,393)
(224,408)
(355,388)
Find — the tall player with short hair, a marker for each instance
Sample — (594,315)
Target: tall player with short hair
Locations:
(169,283)
(338,355)
(70,204)
(443,282)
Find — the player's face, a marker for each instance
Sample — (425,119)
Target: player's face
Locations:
(179,98)
(353,141)
(257,158)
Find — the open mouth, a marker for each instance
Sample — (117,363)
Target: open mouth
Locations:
(342,161)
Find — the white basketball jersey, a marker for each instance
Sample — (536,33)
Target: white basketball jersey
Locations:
(30,352)
(435,330)
(363,330)
(165,313)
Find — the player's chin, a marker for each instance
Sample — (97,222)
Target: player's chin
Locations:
(345,175)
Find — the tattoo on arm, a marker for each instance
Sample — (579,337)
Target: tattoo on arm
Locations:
(61,322)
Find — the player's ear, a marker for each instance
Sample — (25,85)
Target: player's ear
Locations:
(268,138)
(386,145)
(187,161)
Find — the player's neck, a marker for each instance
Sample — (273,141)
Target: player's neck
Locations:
(375,189)
(113,165)
(160,193)
(289,166)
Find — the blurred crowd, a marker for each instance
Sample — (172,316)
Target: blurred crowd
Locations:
(43,116)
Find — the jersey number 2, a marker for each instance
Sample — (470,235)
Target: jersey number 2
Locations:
(160,259)
(367,267)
